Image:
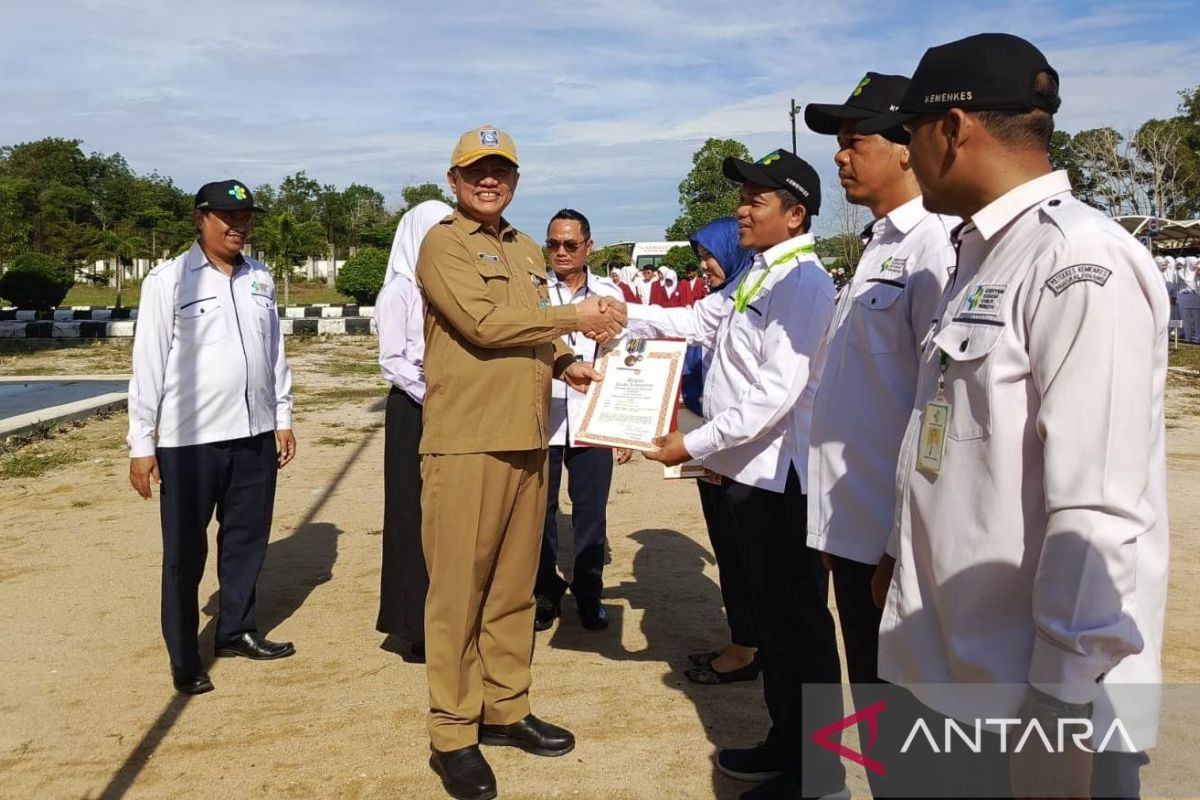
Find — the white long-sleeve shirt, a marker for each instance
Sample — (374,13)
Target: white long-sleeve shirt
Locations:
(400,319)
(208,360)
(866,393)
(567,406)
(758,391)
(1038,554)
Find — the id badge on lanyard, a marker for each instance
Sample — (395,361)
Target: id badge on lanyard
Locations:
(934,422)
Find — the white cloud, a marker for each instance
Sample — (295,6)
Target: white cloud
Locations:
(607,99)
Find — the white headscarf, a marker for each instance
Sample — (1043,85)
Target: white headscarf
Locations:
(411,231)
(670,280)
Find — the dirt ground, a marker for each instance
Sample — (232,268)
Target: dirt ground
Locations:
(86,704)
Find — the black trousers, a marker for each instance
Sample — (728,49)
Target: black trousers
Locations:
(735,593)
(859,617)
(797,644)
(237,479)
(589,476)
(403,577)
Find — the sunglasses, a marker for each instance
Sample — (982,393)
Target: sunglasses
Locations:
(570,245)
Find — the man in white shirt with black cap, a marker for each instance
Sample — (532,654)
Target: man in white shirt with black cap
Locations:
(1031,540)
(589,469)
(767,336)
(210,420)
(866,391)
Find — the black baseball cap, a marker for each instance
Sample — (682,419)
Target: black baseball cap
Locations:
(874,95)
(225,196)
(779,169)
(985,72)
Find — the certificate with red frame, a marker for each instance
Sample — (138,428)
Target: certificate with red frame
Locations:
(638,398)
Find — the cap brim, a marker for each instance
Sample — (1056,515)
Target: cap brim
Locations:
(827,118)
(888,126)
(744,172)
(479,155)
(211,207)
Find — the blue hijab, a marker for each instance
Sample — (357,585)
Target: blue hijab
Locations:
(719,237)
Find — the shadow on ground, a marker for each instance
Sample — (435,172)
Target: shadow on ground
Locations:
(681,615)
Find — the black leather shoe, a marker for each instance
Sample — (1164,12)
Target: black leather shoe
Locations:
(531,735)
(191,683)
(592,614)
(465,773)
(754,764)
(251,645)
(546,612)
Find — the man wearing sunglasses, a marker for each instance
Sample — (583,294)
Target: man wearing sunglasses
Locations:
(589,469)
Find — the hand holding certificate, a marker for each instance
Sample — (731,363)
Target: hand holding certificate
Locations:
(636,401)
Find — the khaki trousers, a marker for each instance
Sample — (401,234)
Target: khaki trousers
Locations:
(481,532)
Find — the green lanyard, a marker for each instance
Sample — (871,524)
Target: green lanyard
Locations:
(742,297)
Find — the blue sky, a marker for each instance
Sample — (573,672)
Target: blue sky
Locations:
(606,100)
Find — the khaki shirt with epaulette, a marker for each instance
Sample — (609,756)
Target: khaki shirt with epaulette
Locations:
(492,340)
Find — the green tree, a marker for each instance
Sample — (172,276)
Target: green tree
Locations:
(706,194)
(122,244)
(288,241)
(605,259)
(36,281)
(680,259)
(415,194)
(363,274)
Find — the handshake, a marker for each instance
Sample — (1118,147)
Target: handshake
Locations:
(601,318)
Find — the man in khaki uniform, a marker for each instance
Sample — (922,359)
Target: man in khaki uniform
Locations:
(492,345)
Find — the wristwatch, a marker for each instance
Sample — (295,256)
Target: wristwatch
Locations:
(1048,706)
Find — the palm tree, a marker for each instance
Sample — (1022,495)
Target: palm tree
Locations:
(122,244)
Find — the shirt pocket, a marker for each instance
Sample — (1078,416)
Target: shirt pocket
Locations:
(969,352)
(495,280)
(200,321)
(265,312)
(876,322)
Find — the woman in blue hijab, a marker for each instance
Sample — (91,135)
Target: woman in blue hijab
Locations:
(723,261)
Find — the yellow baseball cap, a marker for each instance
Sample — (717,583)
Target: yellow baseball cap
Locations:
(481,143)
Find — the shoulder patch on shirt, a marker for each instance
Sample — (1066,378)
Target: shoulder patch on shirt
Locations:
(1077,273)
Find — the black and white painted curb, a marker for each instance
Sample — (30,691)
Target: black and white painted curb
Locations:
(102,323)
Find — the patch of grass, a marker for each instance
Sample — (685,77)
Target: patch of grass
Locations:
(1186,355)
(37,460)
(65,356)
(299,294)
(348,366)
(305,294)
(333,441)
(332,397)
(86,294)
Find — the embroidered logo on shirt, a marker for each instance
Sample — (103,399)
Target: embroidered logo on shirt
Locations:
(1078,273)
(893,264)
(264,288)
(984,302)
(489,257)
